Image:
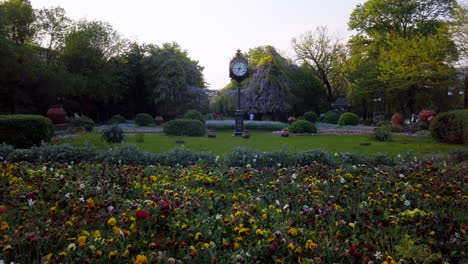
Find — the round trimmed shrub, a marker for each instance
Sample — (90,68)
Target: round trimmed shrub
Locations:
(143,119)
(451,127)
(83,122)
(348,119)
(113,134)
(381,134)
(116,119)
(310,116)
(426,116)
(302,126)
(24,131)
(185,127)
(194,114)
(398,119)
(331,117)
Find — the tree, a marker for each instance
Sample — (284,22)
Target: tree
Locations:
(52,27)
(325,55)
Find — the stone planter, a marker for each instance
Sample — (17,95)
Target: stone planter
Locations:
(158,120)
(211,134)
(284,133)
(426,115)
(291,119)
(57,114)
(246,134)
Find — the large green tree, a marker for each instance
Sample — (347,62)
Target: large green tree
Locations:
(402,55)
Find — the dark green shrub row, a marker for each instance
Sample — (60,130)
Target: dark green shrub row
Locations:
(451,127)
(348,119)
(248,125)
(83,122)
(143,119)
(116,119)
(24,131)
(194,114)
(302,126)
(185,127)
(239,157)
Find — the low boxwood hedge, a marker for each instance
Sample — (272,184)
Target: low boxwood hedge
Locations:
(24,131)
(185,127)
(302,126)
(348,119)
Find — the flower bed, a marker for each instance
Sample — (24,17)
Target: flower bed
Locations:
(77,213)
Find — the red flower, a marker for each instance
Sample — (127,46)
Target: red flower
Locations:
(141,214)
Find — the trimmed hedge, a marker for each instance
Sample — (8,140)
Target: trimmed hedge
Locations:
(451,127)
(331,117)
(116,119)
(249,125)
(310,116)
(185,127)
(348,119)
(83,122)
(302,126)
(194,114)
(24,131)
(143,119)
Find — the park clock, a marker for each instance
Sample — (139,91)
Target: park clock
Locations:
(238,67)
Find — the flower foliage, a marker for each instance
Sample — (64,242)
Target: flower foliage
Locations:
(97,213)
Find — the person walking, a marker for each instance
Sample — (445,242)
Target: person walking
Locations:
(252,116)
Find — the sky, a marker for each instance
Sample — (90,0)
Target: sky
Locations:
(212,30)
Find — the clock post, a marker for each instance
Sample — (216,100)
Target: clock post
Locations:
(238,71)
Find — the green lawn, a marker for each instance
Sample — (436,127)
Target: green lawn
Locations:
(266,141)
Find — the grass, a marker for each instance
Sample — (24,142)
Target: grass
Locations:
(266,141)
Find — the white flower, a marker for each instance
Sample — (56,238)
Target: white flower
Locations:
(120,161)
(277,202)
(30,202)
(67,195)
(336,154)
(51,169)
(82,186)
(354,167)
(342,180)
(98,188)
(407,203)
(279,164)
(285,206)
(217,158)
(44,168)
(254,160)
(69,166)
(294,176)
(110,208)
(82,199)
(218,216)
(378,255)
(401,176)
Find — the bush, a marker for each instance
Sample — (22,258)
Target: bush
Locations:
(126,154)
(116,119)
(451,127)
(185,127)
(83,122)
(66,153)
(240,157)
(331,117)
(194,114)
(113,134)
(143,119)
(302,126)
(350,158)
(24,131)
(426,116)
(348,119)
(381,134)
(249,125)
(5,151)
(184,157)
(310,116)
(382,159)
(307,157)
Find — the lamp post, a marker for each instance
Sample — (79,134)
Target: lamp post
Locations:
(238,71)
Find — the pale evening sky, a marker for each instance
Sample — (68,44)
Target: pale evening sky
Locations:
(212,30)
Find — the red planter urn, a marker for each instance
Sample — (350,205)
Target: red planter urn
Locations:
(284,133)
(211,134)
(426,115)
(158,120)
(398,119)
(57,114)
(291,119)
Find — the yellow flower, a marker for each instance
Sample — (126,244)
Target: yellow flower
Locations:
(112,221)
(140,259)
(291,246)
(259,232)
(4,226)
(112,254)
(292,231)
(82,240)
(97,234)
(198,235)
(310,245)
(389,260)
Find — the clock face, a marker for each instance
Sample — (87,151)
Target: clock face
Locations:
(239,68)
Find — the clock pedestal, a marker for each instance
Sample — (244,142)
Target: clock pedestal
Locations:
(239,123)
